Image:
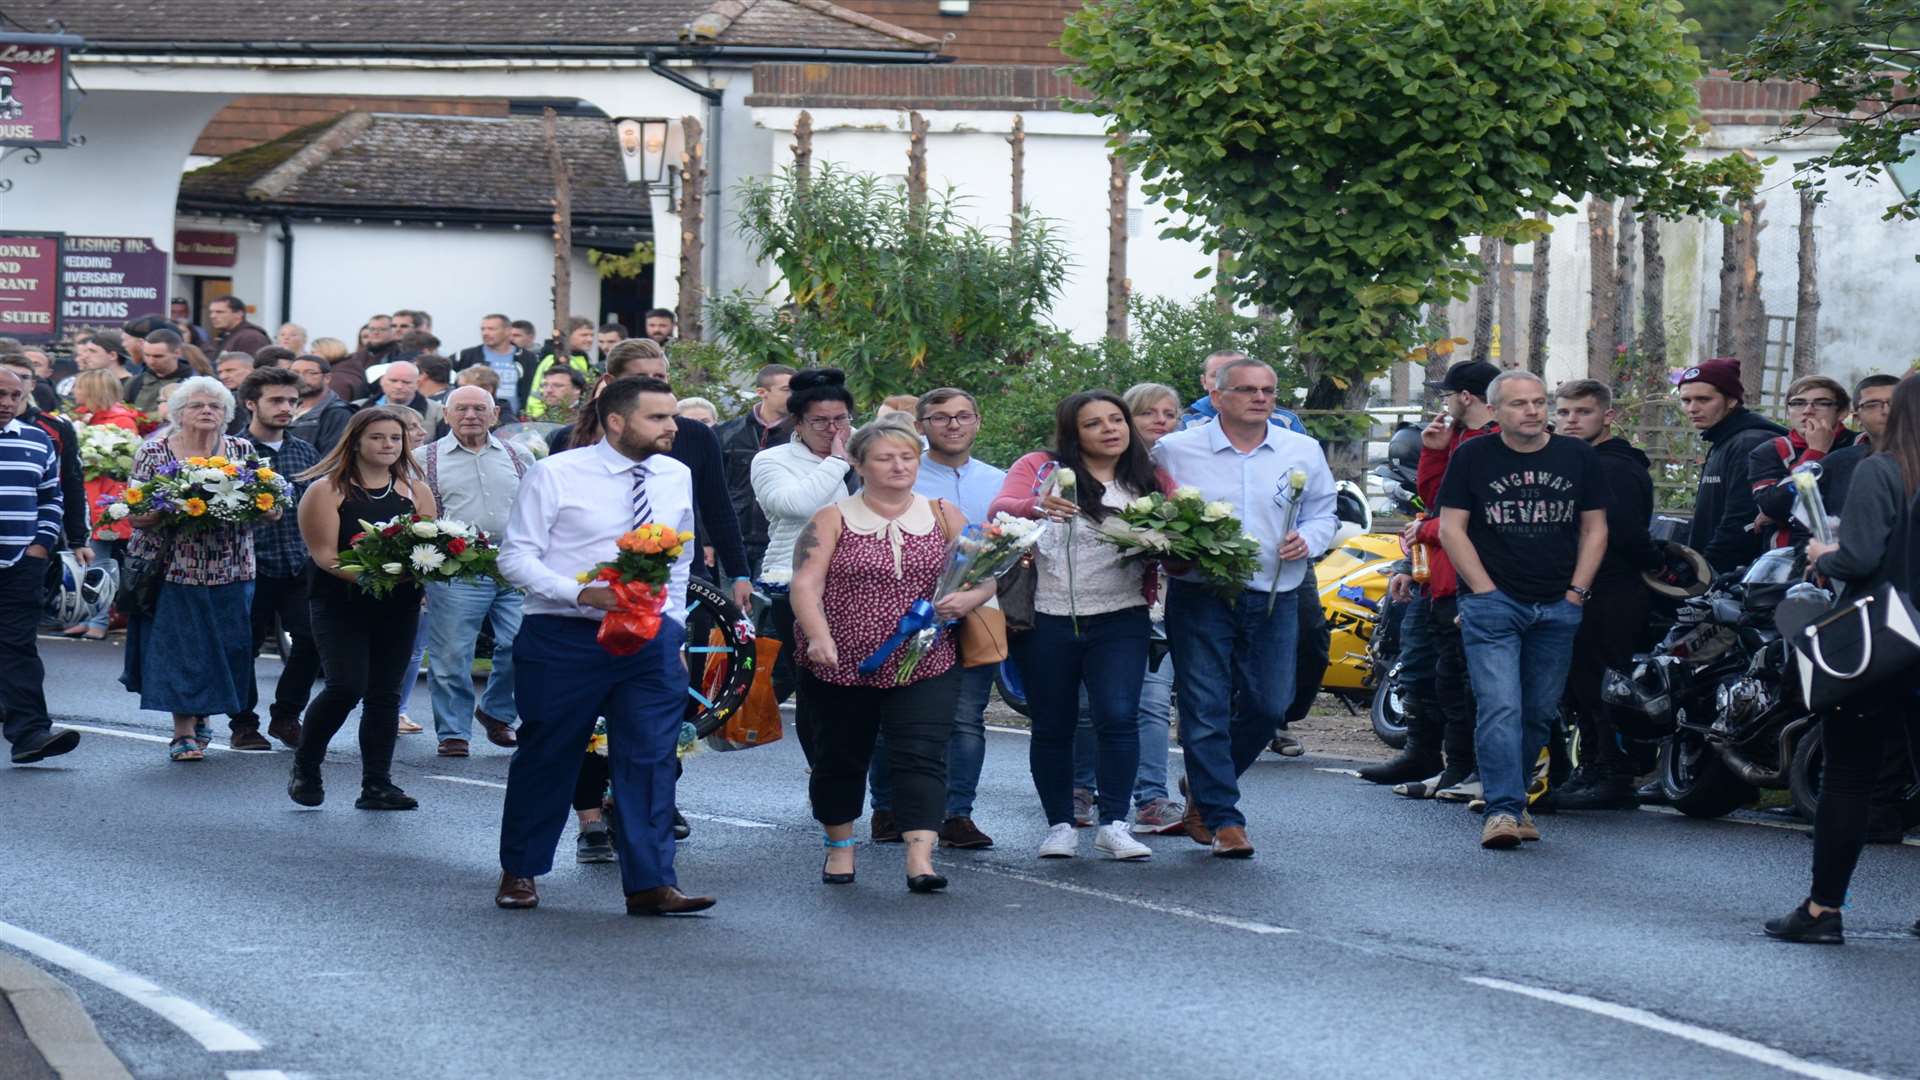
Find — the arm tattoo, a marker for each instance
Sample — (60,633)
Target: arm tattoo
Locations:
(806,544)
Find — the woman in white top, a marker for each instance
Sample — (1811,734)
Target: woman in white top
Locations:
(1090,615)
(792,482)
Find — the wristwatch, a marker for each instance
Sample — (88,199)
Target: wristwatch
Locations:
(1585,594)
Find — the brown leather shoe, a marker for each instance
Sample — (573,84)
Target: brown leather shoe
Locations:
(287,731)
(499,732)
(1196,826)
(882,830)
(516,893)
(248,738)
(1230,842)
(961,832)
(666,900)
(453,748)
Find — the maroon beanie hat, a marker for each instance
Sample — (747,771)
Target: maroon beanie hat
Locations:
(1722,373)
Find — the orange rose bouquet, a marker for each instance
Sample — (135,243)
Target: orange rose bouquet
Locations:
(638,576)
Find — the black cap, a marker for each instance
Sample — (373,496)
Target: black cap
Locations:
(1469,375)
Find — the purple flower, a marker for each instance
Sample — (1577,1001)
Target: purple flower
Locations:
(169,468)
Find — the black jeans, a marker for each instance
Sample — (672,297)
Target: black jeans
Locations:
(365,646)
(285,598)
(1310,651)
(916,718)
(590,791)
(23,696)
(1612,622)
(1857,743)
(1449,696)
(785,677)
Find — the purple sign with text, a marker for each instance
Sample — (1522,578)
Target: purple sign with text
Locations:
(30,287)
(108,280)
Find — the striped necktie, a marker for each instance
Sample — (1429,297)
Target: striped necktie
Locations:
(642,509)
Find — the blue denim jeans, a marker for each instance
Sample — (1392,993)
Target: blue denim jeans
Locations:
(966,747)
(105,553)
(455,612)
(1517,656)
(1156,703)
(1233,676)
(1106,657)
(411,678)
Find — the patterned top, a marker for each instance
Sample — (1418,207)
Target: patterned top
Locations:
(213,555)
(880,566)
(278,546)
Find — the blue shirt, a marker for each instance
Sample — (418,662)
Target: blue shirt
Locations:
(503,365)
(1203,412)
(972,487)
(30,503)
(278,550)
(1255,485)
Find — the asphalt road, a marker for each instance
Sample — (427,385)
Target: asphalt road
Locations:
(341,943)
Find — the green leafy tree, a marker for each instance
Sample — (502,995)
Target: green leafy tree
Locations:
(1865,68)
(1345,148)
(904,299)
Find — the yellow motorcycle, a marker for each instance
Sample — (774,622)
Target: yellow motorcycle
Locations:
(1353,590)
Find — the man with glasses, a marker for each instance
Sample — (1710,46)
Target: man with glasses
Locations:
(1233,658)
(1871,397)
(1816,412)
(949,420)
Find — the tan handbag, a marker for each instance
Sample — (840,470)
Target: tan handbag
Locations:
(982,633)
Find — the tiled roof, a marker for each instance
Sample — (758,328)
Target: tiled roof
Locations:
(380,164)
(489,27)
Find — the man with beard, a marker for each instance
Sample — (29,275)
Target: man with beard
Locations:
(320,416)
(228,314)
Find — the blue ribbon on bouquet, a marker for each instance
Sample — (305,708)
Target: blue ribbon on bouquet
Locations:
(918,617)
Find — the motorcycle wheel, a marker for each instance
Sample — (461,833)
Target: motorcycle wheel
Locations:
(1697,781)
(1389,717)
(1803,783)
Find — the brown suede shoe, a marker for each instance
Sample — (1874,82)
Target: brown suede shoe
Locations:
(453,748)
(961,832)
(1197,830)
(248,738)
(499,732)
(882,830)
(666,900)
(516,893)
(287,731)
(1230,842)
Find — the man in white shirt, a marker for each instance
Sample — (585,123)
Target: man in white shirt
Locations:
(571,511)
(1233,670)
(474,477)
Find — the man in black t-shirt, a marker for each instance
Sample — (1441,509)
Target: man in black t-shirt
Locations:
(1523,518)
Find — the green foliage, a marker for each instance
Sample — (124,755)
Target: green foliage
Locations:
(609,265)
(1863,64)
(901,299)
(1344,148)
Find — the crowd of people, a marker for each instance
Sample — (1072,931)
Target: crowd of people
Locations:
(1524,583)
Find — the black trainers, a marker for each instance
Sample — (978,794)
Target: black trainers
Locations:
(1594,791)
(383,795)
(44,745)
(303,786)
(594,846)
(1798,925)
(681,830)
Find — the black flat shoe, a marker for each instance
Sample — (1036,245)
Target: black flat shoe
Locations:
(1798,925)
(304,787)
(383,795)
(828,878)
(926,883)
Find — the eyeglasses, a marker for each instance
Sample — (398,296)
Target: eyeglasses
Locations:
(951,419)
(1252,391)
(1811,403)
(214,405)
(1879,405)
(828,423)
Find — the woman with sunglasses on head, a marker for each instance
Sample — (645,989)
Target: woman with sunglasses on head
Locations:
(1090,624)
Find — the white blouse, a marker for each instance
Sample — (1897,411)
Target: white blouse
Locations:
(1102,582)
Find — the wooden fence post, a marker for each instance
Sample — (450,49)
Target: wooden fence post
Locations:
(1806,318)
(693,198)
(1537,298)
(562,231)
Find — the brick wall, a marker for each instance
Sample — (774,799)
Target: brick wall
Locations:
(249,121)
(1724,101)
(992,31)
(946,86)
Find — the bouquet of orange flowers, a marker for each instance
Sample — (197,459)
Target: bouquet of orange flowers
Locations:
(204,491)
(638,576)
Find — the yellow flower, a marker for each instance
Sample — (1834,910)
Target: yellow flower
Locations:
(217,461)
(197,462)
(686,537)
(230,470)
(134,496)
(263,500)
(196,507)
(264,474)
(583,576)
(673,552)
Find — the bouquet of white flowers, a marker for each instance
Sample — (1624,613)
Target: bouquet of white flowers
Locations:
(1184,528)
(107,450)
(418,549)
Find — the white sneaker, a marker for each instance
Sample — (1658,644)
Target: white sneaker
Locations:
(1116,842)
(1061,842)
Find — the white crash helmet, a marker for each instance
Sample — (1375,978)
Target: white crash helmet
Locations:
(1350,507)
(75,592)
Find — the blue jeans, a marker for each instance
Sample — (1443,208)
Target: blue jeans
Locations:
(1106,657)
(1517,656)
(455,612)
(1234,680)
(1156,703)
(105,553)
(966,747)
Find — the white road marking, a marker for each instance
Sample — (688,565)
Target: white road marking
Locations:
(1716,1040)
(205,1028)
(140,736)
(717,819)
(1248,925)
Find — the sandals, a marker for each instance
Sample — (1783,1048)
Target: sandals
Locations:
(185,748)
(408,727)
(203,733)
(827,878)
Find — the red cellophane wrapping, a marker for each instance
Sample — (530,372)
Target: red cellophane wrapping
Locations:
(627,628)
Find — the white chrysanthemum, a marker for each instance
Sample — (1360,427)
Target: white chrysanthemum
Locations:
(426,530)
(1186,493)
(426,558)
(455,527)
(1216,511)
(1141,505)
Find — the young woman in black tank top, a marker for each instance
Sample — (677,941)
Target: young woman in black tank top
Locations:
(364,642)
